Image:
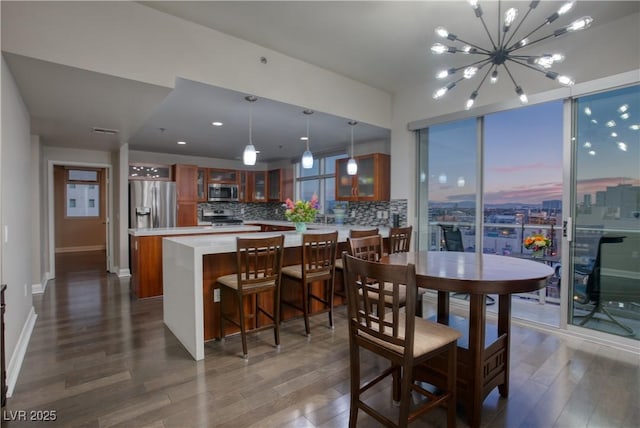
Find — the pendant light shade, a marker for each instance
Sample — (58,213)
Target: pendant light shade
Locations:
(250,155)
(352,165)
(307,156)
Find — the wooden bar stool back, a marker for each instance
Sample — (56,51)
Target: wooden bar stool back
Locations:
(353,233)
(397,335)
(258,271)
(318,265)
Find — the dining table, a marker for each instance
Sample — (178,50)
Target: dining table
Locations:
(483,349)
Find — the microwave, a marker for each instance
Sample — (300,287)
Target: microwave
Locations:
(222,192)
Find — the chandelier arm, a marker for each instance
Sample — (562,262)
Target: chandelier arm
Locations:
(509,73)
(487,51)
(518,27)
(498,23)
(515,46)
(484,78)
(484,24)
(485,60)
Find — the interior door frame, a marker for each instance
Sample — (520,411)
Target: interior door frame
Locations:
(51,212)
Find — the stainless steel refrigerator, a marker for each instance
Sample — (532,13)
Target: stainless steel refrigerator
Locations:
(152,204)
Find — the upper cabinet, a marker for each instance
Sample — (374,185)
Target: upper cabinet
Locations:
(186,177)
(280,184)
(371,183)
(252,186)
(202,184)
(228,176)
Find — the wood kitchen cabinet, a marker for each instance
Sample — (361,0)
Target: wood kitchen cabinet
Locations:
(371,183)
(202,184)
(186,177)
(252,186)
(227,176)
(280,182)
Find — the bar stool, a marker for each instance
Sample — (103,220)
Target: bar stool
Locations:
(353,233)
(258,271)
(318,265)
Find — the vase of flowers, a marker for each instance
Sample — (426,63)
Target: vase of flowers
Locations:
(301,212)
(537,243)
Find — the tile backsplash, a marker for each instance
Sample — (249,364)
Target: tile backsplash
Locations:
(379,213)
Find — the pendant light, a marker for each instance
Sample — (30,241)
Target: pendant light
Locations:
(249,156)
(352,166)
(307,156)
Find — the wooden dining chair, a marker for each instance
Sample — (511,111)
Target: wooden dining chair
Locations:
(258,271)
(318,265)
(400,239)
(353,233)
(398,336)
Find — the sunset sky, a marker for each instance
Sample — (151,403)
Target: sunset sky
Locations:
(523,154)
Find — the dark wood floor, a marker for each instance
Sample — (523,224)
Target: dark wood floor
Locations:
(98,358)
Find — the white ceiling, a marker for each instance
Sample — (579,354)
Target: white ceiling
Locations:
(383,44)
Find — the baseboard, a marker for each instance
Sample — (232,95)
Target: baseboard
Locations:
(123,273)
(15,363)
(38,288)
(80,249)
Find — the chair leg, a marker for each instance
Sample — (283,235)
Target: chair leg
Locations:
(276,316)
(355,382)
(306,302)
(405,392)
(451,385)
(330,291)
(243,332)
(221,324)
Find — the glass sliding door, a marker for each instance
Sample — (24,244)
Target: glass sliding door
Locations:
(522,198)
(605,248)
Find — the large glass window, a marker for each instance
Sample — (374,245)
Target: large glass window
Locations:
(449,181)
(319,180)
(606,243)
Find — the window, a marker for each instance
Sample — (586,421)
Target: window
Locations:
(319,180)
(82,193)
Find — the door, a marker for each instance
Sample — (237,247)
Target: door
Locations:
(604,227)
(80,213)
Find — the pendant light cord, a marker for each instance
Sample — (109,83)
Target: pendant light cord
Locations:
(250,123)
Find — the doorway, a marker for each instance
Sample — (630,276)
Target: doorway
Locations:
(79,218)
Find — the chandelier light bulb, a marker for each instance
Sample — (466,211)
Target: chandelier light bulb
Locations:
(622,146)
(557,57)
(610,124)
(587,111)
(580,24)
(624,116)
(614,134)
(469,72)
(509,16)
(445,73)
(442,32)
(522,95)
(439,48)
(523,42)
(566,7)
(494,76)
(565,80)
(623,108)
(440,93)
(634,127)
(472,100)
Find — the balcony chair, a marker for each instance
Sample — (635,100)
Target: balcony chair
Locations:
(258,271)
(601,289)
(453,242)
(398,336)
(318,265)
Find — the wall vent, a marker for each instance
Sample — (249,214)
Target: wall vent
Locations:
(105,131)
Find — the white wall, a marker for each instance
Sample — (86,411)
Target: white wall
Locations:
(16,216)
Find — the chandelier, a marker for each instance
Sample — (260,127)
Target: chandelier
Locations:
(504,50)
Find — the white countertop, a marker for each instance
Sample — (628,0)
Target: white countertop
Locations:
(218,244)
(193,230)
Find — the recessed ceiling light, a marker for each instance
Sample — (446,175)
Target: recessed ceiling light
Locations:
(182,143)
(217,123)
(592,152)
(303,138)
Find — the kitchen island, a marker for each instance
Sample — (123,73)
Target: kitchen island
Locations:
(145,247)
(191,266)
